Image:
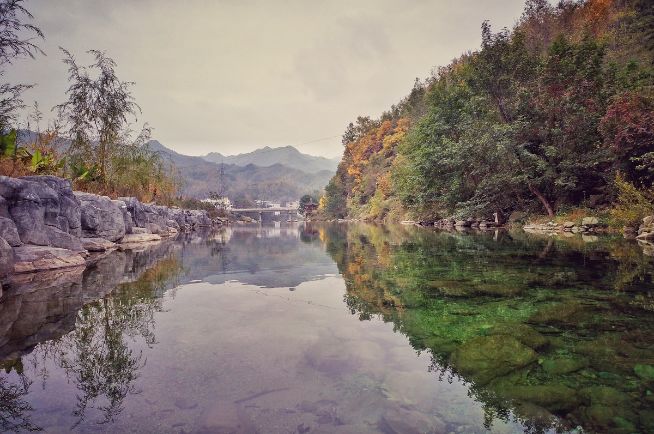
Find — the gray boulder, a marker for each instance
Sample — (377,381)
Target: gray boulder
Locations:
(43,210)
(127,217)
(4,207)
(590,221)
(172,224)
(6,258)
(28,211)
(101,217)
(97,244)
(63,240)
(9,232)
(62,211)
(147,216)
(139,238)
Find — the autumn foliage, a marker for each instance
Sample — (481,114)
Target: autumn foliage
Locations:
(541,119)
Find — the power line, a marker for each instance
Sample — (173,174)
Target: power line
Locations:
(318,140)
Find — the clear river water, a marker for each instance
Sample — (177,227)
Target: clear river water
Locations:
(353,328)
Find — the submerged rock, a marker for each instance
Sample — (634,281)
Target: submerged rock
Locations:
(563,365)
(553,397)
(486,357)
(522,332)
(604,395)
(226,417)
(556,313)
(405,421)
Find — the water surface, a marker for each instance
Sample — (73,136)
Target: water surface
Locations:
(338,328)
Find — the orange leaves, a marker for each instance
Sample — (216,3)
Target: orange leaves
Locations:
(392,140)
(383,138)
(384,184)
(598,17)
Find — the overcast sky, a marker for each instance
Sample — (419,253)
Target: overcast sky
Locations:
(234,75)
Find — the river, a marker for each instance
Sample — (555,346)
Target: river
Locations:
(336,329)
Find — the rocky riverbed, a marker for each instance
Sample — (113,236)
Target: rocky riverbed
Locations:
(45,225)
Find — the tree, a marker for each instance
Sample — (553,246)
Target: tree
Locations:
(356,130)
(98,111)
(628,129)
(98,116)
(17,40)
(305,200)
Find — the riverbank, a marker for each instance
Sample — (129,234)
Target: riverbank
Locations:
(45,225)
(587,229)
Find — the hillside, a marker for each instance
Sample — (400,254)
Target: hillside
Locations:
(554,115)
(273,182)
(287,156)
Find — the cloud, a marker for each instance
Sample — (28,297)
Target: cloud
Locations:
(233,75)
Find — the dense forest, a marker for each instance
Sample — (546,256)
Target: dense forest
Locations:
(552,116)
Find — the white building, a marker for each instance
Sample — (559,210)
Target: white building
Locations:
(267,204)
(222,203)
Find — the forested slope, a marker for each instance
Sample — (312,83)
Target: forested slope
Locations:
(553,114)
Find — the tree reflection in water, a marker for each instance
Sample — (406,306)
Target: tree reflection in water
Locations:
(96,356)
(15,411)
(555,334)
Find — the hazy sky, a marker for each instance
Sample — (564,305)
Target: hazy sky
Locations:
(234,75)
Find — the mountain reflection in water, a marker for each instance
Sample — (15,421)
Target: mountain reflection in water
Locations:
(304,328)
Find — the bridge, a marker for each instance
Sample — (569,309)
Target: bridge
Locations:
(261,211)
(282,209)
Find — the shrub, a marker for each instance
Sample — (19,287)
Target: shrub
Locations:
(631,204)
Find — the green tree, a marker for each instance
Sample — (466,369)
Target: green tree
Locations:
(17,40)
(98,115)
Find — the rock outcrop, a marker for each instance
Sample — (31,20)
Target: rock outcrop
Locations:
(645,236)
(587,225)
(461,225)
(6,258)
(28,258)
(46,225)
(101,217)
(44,212)
(42,306)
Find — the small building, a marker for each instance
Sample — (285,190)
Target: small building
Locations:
(267,204)
(310,208)
(220,203)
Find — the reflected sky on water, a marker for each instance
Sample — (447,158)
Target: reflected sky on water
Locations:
(336,328)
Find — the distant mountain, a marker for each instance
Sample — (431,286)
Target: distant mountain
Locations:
(287,156)
(245,180)
(276,182)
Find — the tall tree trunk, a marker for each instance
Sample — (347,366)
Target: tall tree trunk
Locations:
(543,200)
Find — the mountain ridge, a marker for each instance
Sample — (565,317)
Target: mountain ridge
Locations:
(277,181)
(267,156)
(273,181)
